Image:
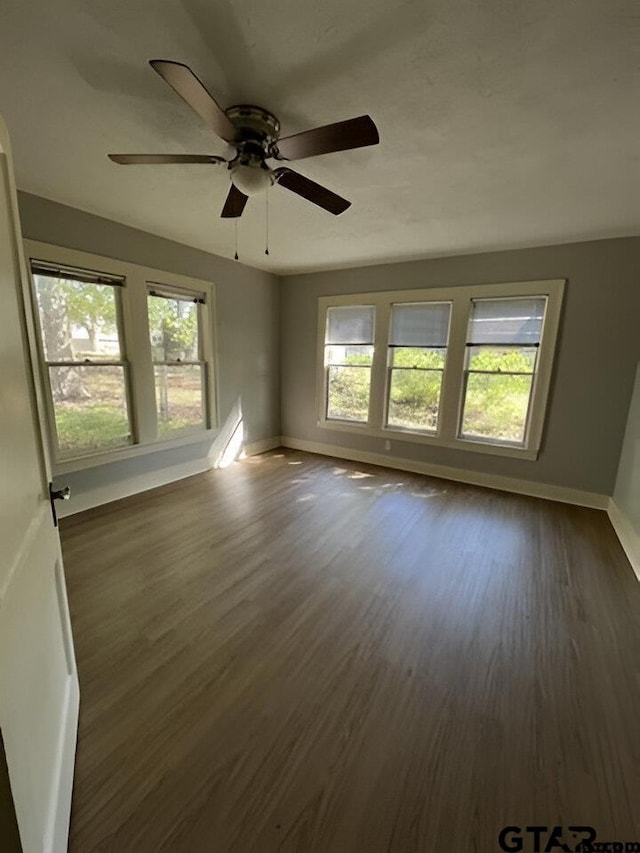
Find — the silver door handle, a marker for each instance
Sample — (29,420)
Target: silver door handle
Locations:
(57,495)
(61,494)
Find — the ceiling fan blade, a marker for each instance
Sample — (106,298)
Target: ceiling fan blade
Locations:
(353,133)
(181,78)
(234,205)
(151,159)
(313,192)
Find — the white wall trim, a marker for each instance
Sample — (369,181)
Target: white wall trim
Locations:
(445,472)
(262,446)
(152,480)
(136,353)
(627,535)
(131,451)
(460,299)
(625,532)
(132,486)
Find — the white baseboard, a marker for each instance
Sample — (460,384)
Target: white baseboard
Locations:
(446,472)
(627,535)
(262,446)
(152,480)
(132,486)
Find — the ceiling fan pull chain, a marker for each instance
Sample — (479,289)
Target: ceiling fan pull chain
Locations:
(266,249)
(235,257)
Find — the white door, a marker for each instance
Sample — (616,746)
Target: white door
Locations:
(39,694)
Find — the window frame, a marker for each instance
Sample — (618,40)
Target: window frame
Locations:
(327,368)
(118,284)
(390,368)
(159,291)
(451,399)
(133,327)
(468,371)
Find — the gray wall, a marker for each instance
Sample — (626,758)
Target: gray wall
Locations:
(627,489)
(247,303)
(599,347)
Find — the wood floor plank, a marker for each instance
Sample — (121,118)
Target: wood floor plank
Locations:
(299,654)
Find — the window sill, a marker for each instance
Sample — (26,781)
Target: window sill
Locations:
(471,445)
(95,460)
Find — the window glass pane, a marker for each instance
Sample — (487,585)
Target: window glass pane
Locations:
(503,359)
(348,393)
(77,320)
(348,355)
(420,324)
(496,406)
(414,398)
(90,406)
(179,398)
(418,357)
(506,321)
(353,324)
(173,329)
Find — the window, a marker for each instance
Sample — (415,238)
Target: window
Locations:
(126,356)
(502,351)
(417,354)
(466,367)
(179,371)
(348,355)
(79,320)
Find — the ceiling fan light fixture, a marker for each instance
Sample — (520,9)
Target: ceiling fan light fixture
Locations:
(251,180)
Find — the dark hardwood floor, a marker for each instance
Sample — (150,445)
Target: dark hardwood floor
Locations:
(302,654)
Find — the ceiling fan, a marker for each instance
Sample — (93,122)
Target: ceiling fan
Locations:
(255,134)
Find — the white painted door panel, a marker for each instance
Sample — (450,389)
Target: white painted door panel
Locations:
(39,694)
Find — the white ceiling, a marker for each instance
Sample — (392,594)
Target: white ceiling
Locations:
(503,123)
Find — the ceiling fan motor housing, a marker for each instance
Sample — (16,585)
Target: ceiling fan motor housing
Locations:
(256,130)
(254,125)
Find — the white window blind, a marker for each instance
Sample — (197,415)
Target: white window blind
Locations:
(353,324)
(420,324)
(506,321)
(160,291)
(72,274)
